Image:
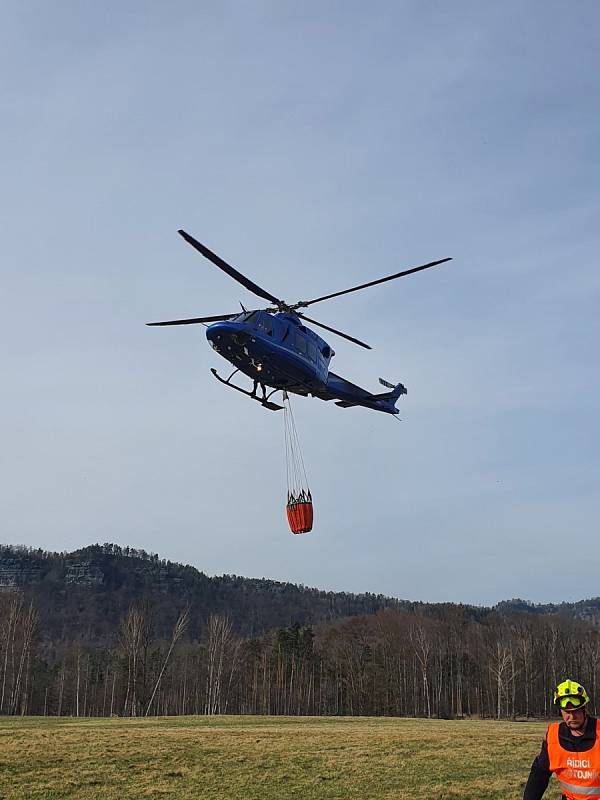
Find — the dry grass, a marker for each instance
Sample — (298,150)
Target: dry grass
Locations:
(266,758)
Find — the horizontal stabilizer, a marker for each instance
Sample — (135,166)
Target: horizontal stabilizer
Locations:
(386,383)
(349,395)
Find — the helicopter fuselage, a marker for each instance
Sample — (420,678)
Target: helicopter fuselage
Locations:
(278,351)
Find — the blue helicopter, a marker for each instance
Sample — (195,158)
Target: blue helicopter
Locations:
(279,353)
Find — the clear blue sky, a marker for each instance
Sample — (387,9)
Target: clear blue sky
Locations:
(314,146)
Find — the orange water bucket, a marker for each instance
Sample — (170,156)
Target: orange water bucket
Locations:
(300,517)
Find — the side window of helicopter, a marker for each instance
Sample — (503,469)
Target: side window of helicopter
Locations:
(300,343)
(265,324)
(312,351)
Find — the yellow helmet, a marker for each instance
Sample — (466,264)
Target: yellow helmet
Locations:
(570,692)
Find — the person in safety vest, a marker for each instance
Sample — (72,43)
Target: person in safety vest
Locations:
(571,749)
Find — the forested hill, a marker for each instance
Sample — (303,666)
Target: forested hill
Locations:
(87,593)
(108,630)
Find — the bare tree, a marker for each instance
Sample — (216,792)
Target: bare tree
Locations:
(134,635)
(10,614)
(178,631)
(499,666)
(17,631)
(219,635)
(422,647)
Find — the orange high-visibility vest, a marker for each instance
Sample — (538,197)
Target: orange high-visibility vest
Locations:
(577,773)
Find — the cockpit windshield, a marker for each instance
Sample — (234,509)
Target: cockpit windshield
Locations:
(246,316)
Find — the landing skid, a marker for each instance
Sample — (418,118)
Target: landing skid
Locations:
(264,400)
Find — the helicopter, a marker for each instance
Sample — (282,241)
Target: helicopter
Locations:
(279,353)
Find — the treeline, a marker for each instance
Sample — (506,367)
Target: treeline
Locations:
(441,662)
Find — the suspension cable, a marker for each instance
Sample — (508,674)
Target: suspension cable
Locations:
(297,481)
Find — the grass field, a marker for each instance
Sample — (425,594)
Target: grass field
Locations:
(266,758)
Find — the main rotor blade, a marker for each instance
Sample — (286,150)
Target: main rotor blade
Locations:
(231,271)
(194,321)
(305,303)
(333,330)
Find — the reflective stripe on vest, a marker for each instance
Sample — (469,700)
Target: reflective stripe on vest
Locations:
(575,791)
(577,773)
